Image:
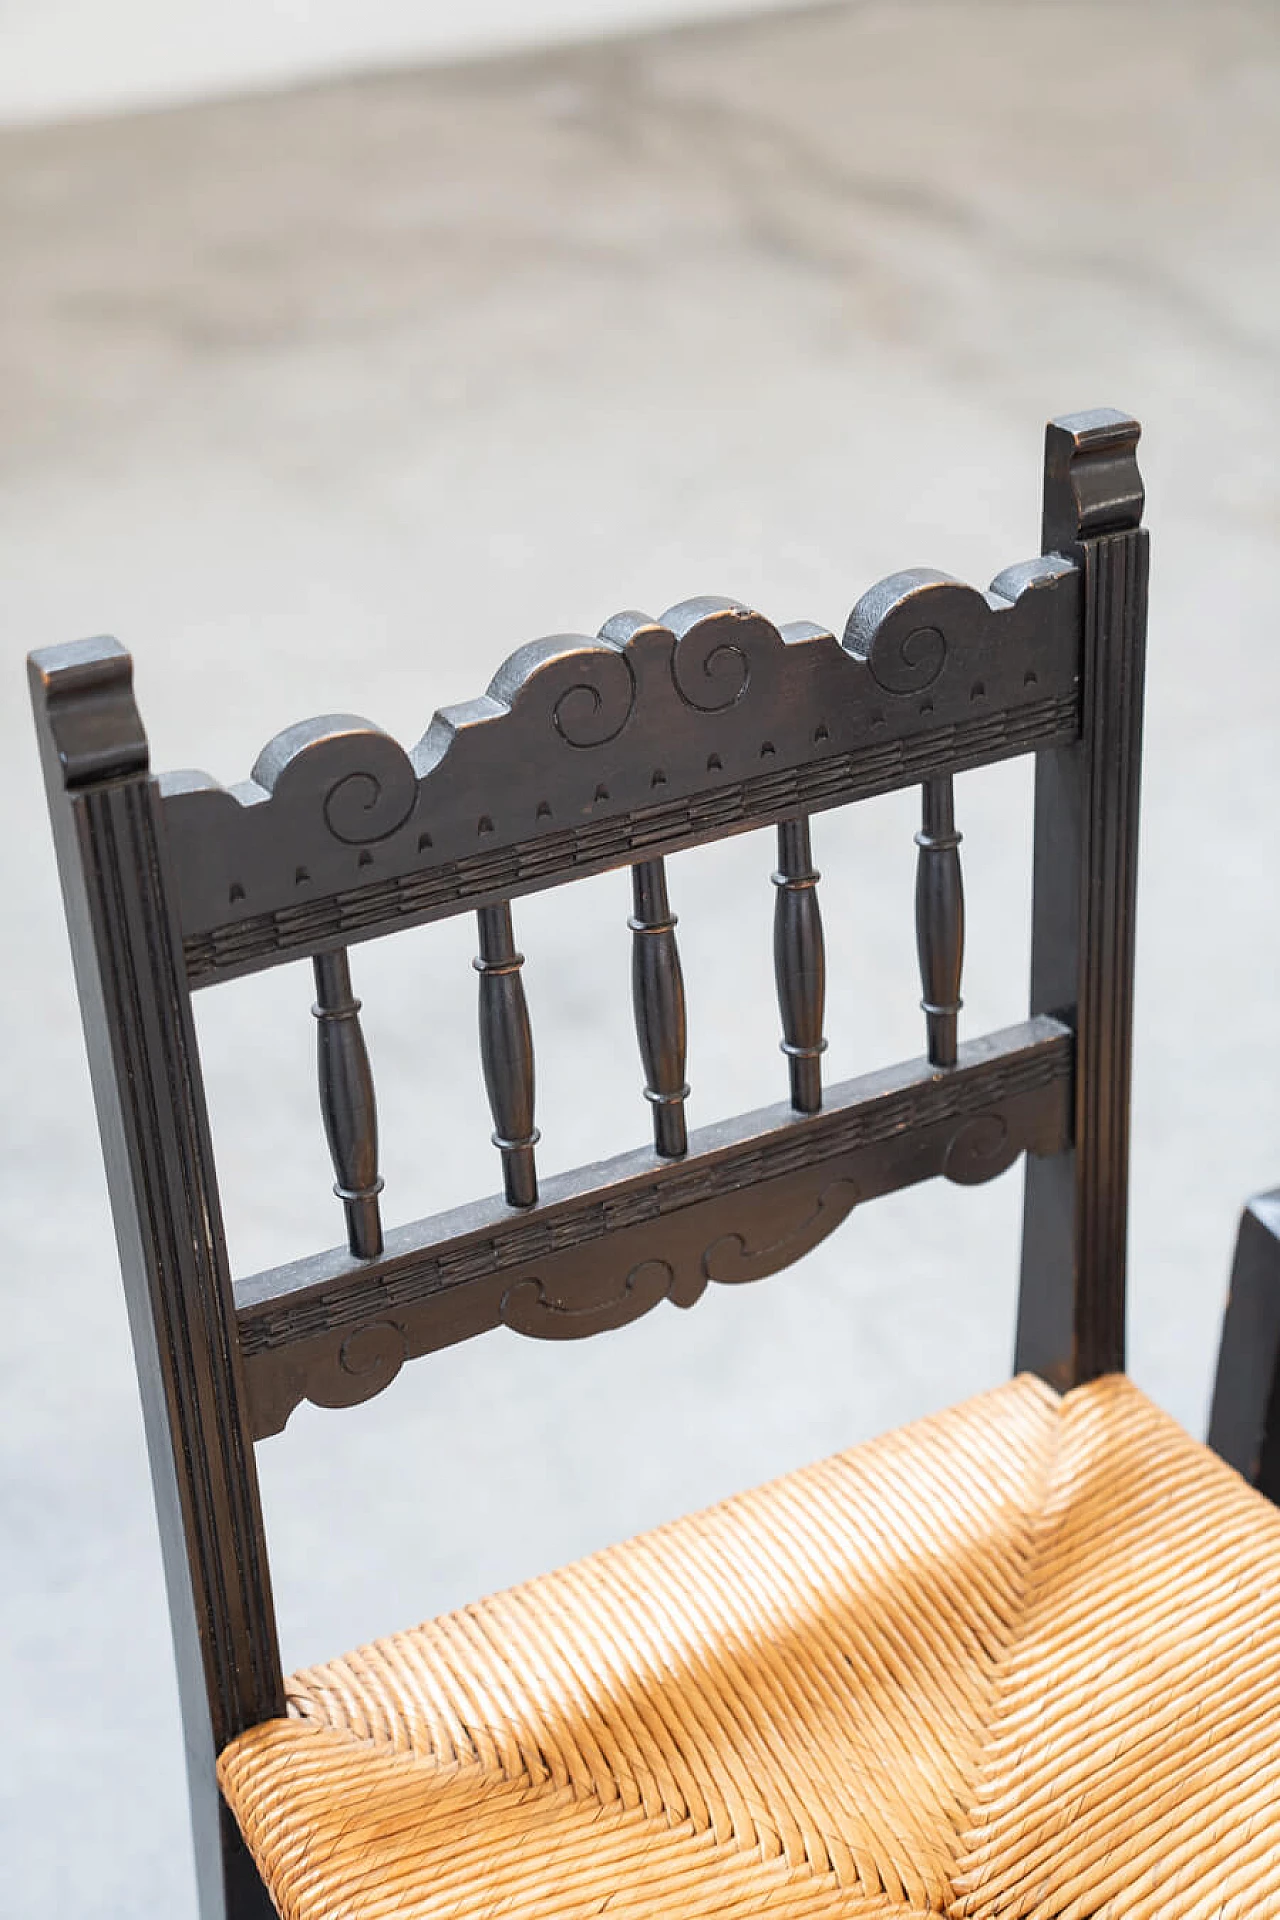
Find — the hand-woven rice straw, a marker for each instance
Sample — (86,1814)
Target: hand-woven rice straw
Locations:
(1017,1662)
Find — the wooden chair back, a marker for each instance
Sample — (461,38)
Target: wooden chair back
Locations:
(584,755)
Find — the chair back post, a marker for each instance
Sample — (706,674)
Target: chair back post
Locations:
(147,1085)
(1071,1316)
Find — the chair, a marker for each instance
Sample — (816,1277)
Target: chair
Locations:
(1016,1659)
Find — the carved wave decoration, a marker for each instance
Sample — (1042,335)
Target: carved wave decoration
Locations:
(367,1361)
(528,1308)
(730,1261)
(716,641)
(711,706)
(979,1150)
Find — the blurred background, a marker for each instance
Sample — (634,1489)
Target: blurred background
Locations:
(342,349)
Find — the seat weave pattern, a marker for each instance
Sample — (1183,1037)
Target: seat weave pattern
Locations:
(1021,1659)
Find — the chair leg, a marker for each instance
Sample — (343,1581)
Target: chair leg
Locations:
(246,1896)
(1244,1425)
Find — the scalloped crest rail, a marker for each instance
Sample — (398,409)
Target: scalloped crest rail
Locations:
(586,754)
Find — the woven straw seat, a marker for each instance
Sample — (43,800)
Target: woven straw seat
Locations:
(1020,1659)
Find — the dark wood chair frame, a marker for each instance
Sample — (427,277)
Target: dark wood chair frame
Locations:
(586,755)
(1244,1421)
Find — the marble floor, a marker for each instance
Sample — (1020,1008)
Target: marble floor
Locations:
(326,401)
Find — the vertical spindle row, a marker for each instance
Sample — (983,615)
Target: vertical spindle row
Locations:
(939,918)
(506,1050)
(657,991)
(799,963)
(347,1102)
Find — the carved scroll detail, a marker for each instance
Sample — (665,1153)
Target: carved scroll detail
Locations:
(529,1308)
(711,660)
(979,1150)
(586,753)
(598,705)
(721,1209)
(729,1260)
(908,662)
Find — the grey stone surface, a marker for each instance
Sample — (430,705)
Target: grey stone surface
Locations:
(326,402)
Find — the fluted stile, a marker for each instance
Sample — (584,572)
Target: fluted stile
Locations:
(347,1102)
(657,990)
(940,918)
(799,963)
(506,1049)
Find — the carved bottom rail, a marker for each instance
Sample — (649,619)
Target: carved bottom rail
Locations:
(605,1244)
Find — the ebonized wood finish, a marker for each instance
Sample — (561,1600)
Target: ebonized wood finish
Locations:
(118,891)
(1244,1424)
(799,963)
(587,754)
(1071,1314)
(606,1244)
(940,919)
(347,1102)
(506,1050)
(657,992)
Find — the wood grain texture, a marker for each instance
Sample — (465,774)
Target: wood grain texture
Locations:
(607,1243)
(589,754)
(150,1098)
(1071,1318)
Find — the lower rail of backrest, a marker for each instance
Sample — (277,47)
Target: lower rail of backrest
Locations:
(606,1243)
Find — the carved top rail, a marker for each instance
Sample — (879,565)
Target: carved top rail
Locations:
(586,754)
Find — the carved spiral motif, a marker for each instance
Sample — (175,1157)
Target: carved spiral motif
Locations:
(373,801)
(710,666)
(598,705)
(367,1361)
(907,663)
(979,1150)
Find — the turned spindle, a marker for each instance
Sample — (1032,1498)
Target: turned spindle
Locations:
(347,1102)
(939,918)
(657,991)
(799,963)
(506,1050)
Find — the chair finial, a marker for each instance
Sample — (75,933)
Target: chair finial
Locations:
(1091,480)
